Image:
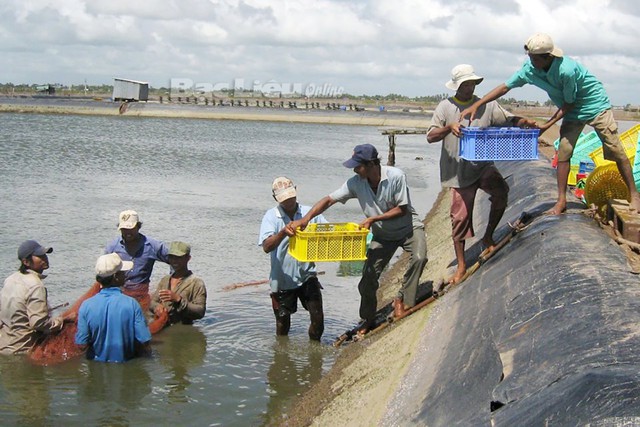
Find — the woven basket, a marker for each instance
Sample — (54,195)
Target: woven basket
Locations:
(603,184)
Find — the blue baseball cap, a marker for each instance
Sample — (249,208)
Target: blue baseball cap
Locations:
(31,247)
(361,154)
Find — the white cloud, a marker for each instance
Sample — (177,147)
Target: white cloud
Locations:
(365,46)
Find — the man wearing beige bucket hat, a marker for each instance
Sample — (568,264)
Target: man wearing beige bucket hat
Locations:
(464,177)
(581,100)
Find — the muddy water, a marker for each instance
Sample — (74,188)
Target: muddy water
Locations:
(64,180)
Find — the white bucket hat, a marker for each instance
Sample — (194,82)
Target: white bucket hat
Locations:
(460,74)
(541,44)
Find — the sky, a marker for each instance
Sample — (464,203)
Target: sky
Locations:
(407,47)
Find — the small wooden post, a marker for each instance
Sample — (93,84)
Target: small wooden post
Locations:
(391,160)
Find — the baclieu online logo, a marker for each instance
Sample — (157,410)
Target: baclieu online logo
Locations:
(186,86)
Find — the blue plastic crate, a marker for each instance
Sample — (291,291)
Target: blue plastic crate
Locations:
(485,144)
(586,167)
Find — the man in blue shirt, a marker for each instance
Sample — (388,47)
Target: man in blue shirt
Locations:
(383,194)
(111,326)
(290,279)
(581,100)
(142,250)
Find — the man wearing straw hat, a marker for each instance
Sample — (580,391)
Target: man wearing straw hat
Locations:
(466,177)
(581,100)
(290,279)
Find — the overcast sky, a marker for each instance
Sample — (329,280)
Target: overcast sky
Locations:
(360,46)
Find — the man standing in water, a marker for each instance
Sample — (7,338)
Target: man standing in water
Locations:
(142,250)
(466,177)
(383,194)
(290,279)
(581,100)
(24,309)
(111,325)
(181,294)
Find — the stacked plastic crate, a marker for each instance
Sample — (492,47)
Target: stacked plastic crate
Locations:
(494,144)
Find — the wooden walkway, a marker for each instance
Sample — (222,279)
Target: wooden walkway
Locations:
(391,134)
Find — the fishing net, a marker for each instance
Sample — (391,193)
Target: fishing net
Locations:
(144,299)
(56,348)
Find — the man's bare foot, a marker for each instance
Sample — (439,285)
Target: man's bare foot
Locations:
(634,205)
(457,276)
(557,209)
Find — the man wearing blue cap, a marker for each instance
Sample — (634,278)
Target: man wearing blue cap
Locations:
(383,194)
(24,310)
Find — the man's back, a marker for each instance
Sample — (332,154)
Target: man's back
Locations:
(111,323)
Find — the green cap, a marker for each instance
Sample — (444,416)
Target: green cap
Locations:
(179,249)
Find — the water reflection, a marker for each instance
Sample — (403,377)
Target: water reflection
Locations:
(112,392)
(180,348)
(24,395)
(294,369)
(350,268)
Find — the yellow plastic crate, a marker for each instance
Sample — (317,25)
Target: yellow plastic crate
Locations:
(573,174)
(629,140)
(330,242)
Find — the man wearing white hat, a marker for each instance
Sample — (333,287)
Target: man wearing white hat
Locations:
(111,325)
(581,100)
(466,177)
(290,279)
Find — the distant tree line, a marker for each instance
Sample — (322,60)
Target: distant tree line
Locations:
(106,90)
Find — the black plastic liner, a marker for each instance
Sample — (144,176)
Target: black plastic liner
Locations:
(547,332)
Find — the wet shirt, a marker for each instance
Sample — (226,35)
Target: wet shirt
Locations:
(456,172)
(146,253)
(24,312)
(193,303)
(566,82)
(110,323)
(286,272)
(392,191)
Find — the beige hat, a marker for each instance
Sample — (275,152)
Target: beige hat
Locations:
(110,264)
(540,44)
(179,249)
(460,74)
(128,219)
(283,189)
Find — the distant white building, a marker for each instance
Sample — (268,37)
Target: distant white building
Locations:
(130,90)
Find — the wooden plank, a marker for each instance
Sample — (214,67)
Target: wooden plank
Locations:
(624,220)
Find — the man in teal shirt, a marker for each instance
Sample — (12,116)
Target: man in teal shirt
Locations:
(581,100)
